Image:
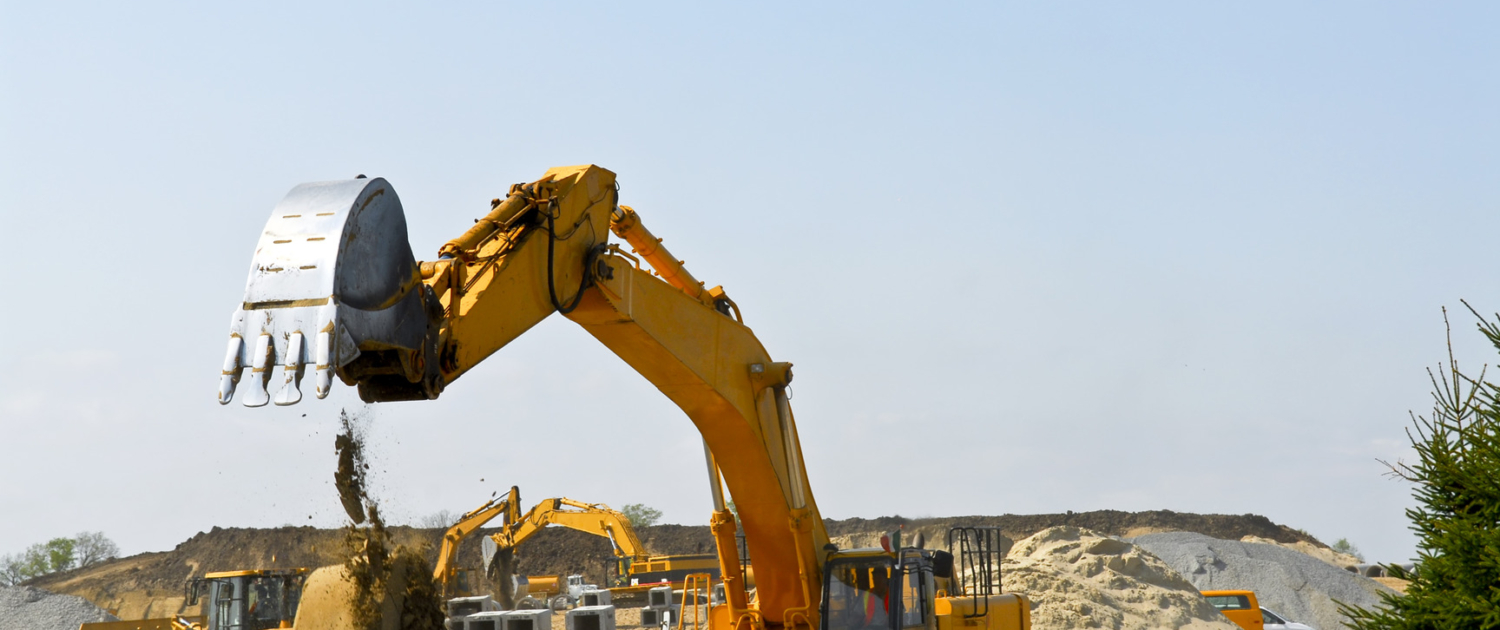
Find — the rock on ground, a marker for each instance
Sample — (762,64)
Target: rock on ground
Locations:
(1296,585)
(1076,578)
(30,608)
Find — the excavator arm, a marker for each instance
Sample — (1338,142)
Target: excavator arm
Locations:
(333,285)
(590,518)
(509,506)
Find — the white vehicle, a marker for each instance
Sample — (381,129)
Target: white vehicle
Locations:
(1277,622)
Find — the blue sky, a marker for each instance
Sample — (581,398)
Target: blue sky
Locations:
(1026,257)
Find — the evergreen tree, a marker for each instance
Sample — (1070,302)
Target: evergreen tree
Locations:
(1457,519)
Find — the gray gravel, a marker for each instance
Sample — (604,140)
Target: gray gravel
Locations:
(28,608)
(1289,582)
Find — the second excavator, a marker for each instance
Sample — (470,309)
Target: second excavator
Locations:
(333,287)
(515,528)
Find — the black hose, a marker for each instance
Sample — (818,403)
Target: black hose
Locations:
(551,281)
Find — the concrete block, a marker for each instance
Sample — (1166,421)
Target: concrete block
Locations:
(658,616)
(591,618)
(484,621)
(460,607)
(659,598)
(595,598)
(538,619)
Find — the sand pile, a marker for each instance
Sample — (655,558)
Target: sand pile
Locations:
(1299,586)
(1076,578)
(28,608)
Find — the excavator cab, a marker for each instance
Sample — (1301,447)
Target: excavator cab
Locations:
(874,589)
(249,600)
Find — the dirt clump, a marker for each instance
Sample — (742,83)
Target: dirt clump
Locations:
(350,476)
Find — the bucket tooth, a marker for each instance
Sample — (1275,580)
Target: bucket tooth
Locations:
(324,366)
(260,373)
(230,375)
(290,394)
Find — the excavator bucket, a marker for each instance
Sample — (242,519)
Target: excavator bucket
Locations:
(333,284)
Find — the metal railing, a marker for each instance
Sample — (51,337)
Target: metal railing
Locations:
(976,555)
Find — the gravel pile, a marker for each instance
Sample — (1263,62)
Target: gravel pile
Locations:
(28,608)
(1076,578)
(1289,582)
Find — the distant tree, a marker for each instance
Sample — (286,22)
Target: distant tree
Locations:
(1345,547)
(441,519)
(641,515)
(58,554)
(1456,483)
(12,570)
(93,548)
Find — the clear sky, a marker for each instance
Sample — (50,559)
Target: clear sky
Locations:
(1026,257)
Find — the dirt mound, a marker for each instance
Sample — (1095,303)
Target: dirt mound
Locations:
(1076,578)
(1108,522)
(150,585)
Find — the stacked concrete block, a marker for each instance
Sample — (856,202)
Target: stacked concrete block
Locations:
(660,608)
(659,598)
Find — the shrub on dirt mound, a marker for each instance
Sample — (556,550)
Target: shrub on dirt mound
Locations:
(1289,582)
(1076,578)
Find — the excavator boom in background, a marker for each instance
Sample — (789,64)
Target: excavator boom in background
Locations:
(591,518)
(333,285)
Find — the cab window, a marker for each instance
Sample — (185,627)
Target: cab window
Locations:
(857,594)
(1230,602)
(913,610)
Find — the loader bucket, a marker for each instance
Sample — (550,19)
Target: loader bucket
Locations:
(333,283)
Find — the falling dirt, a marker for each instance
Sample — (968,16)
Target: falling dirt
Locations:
(350,477)
(393,586)
(502,568)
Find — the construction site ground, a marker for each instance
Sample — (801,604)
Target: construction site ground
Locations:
(151,584)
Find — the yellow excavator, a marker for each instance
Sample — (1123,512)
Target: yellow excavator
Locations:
(590,518)
(333,286)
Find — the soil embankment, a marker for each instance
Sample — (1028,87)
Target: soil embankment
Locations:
(151,584)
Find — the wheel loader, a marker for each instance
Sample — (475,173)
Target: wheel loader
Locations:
(334,289)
